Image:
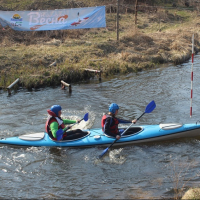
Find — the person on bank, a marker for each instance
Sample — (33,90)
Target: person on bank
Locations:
(110,122)
(55,122)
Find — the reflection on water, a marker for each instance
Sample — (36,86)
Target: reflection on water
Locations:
(138,171)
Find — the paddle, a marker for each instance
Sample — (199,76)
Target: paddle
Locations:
(60,132)
(150,107)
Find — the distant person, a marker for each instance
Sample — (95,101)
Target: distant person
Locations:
(110,123)
(55,122)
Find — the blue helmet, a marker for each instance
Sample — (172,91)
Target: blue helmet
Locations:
(55,109)
(113,107)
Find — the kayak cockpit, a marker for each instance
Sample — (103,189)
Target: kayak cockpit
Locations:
(130,132)
(76,137)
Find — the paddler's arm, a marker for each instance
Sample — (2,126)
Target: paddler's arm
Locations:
(54,128)
(68,121)
(122,121)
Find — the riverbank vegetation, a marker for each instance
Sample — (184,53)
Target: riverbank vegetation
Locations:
(162,34)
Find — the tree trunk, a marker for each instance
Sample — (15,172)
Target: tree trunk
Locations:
(117,20)
(136,3)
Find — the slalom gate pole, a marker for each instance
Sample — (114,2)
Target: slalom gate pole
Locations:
(192,75)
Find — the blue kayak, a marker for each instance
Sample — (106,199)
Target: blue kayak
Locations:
(95,137)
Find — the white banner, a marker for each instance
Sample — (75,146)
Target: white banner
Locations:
(60,19)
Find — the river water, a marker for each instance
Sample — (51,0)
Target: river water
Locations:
(146,171)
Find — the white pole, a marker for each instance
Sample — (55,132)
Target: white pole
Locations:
(192,75)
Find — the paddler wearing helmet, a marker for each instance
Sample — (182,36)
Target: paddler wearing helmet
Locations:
(109,122)
(55,124)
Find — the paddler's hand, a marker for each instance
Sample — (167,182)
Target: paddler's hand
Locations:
(134,121)
(78,121)
(118,137)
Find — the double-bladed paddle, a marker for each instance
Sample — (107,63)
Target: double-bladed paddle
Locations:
(60,132)
(150,107)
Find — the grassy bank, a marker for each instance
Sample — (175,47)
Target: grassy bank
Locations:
(160,37)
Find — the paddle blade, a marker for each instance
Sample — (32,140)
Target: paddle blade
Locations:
(150,107)
(104,152)
(86,116)
(59,134)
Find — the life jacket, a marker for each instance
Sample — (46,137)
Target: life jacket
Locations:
(53,118)
(113,126)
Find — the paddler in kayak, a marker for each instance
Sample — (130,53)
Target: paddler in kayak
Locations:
(55,124)
(109,122)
